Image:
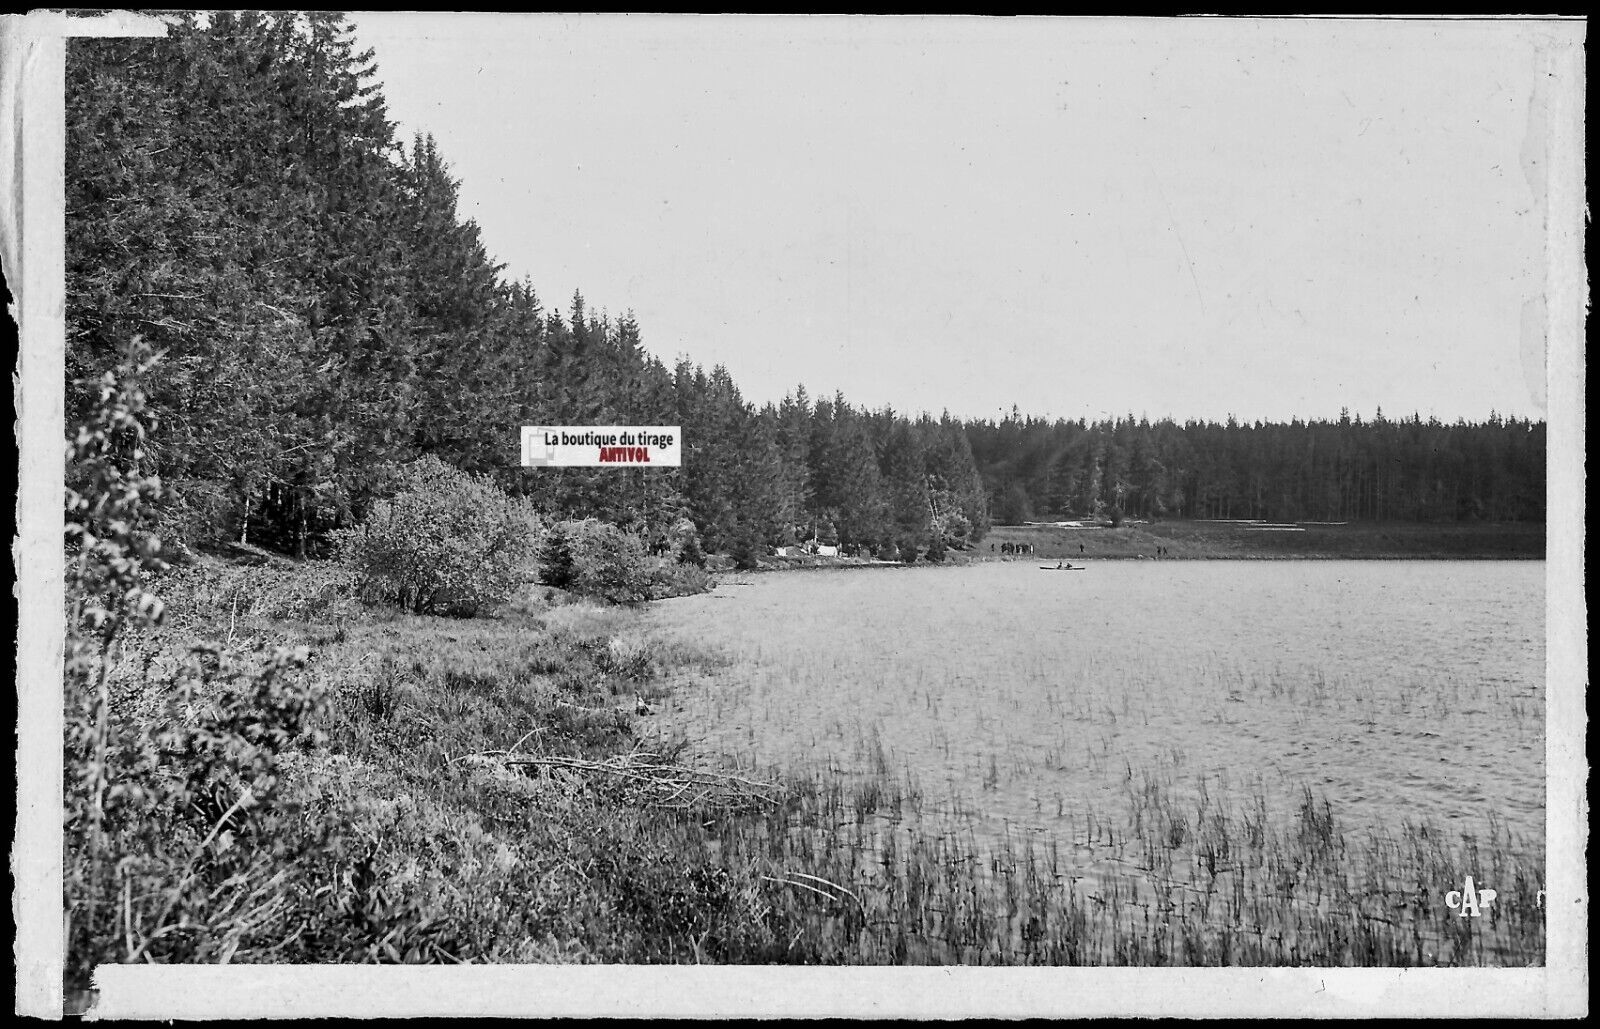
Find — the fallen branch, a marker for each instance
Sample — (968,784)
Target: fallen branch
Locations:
(663,784)
(645,766)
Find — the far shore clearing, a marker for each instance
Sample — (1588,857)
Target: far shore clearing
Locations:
(1268,540)
(1231,540)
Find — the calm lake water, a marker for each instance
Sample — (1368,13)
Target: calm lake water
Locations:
(1024,702)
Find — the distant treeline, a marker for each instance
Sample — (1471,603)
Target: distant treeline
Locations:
(1410,470)
(237,197)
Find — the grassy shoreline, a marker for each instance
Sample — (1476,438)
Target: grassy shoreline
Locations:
(495,789)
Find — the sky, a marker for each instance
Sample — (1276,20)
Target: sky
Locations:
(1089,218)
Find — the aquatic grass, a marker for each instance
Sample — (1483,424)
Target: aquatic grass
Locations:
(1167,875)
(1218,890)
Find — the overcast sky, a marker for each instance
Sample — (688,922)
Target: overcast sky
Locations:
(1268,218)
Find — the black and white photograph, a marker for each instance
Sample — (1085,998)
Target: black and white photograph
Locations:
(563,496)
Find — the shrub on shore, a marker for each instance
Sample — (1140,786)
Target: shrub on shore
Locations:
(447,543)
(610,564)
(593,559)
(679,580)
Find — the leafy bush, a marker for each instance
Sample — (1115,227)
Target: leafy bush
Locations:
(174,848)
(609,564)
(680,580)
(593,559)
(447,543)
(109,553)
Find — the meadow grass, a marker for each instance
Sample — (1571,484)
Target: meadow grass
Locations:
(487,790)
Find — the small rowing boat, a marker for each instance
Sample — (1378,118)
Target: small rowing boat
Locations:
(1061,568)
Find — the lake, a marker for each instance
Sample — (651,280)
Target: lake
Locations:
(1026,703)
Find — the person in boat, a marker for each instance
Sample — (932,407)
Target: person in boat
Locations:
(1061,564)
